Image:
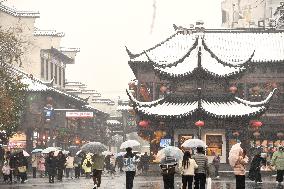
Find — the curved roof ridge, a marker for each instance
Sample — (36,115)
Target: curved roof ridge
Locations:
(176,62)
(134,55)
(261,103)
(144,104)
(240,63)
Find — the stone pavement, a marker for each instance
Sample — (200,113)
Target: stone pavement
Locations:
(140,182)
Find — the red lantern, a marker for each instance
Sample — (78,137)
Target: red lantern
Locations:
(256,123)
(144,123)
(233,89)
(199,123)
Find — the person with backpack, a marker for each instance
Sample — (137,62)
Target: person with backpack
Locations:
(87,165)
(168,166)
(98,167)
(254,171)
(130,167)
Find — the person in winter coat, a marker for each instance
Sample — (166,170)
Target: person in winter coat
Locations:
(60,164)
(187,167)
(7,159)
(22,167)
(107,163)
(168,165)
(202,170)
(34,164)
(278,161)
(119,163)
(41,165)
(240,170)
(69,166)
(254,171)
(6,170)
(98,167)
(77,165)
(130,167)
(216,164)
(51,164)
(87,165)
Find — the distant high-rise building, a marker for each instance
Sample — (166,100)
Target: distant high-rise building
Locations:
(252,13)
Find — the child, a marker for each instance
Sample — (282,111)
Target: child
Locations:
(6,171)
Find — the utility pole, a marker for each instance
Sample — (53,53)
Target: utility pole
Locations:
(264,15)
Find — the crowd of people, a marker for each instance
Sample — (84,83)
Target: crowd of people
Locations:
(55,166)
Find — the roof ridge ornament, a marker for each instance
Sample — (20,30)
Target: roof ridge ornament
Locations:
(130,54)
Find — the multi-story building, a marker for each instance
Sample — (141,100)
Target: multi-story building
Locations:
(42,67)
(252,13)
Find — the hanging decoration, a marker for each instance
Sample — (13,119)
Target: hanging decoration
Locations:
(199,123)
(256,123)
(233,89)
(144,123)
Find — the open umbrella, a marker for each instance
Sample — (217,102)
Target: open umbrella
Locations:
(93,147)
(169,151)
(193,143)
(25,153)
(73,150)
(120,154)
(105,153)
(129,144)
(37,150)
(234,154)
(77,153)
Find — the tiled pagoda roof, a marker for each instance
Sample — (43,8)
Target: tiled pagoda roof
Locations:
(181,107)
(219,53)
(18,13)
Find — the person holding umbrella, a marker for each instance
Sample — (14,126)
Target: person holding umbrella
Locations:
(87,165)
(200,173)
(60,164)
(51,166)
(168,165)
(98,166)
(130,167)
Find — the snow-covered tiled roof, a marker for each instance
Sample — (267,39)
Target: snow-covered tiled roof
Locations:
(48,33)
(68,49)
(89,107)
(18,13)
(113,122)
(123,108)
(232,107)
(221,53)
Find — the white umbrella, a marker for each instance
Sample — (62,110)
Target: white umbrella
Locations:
(234,154)
(56,152)
(120,154)
(169,151)
(26,154)
(93,147)
(78,152)
(37,150)
(129,144)
(193,143)
(65,152)
(106,153)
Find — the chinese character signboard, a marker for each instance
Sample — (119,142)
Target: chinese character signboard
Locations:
(79,114)
(164,142)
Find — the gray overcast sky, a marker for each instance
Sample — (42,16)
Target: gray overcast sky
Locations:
(101,28)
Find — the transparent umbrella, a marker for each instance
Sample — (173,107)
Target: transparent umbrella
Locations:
(234,154)
(93,147)
(169,151)
(193,143)
(129,144)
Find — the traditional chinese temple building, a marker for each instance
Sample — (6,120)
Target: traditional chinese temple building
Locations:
(216,85)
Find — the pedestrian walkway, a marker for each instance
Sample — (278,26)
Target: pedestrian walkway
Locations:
(140,182)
